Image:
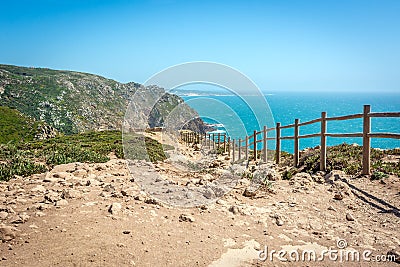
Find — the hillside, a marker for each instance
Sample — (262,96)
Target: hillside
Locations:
(16,126)
(74,102)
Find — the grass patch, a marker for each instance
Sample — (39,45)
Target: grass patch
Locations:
(27,158)
(348,158)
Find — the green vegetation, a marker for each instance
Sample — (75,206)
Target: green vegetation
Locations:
(347,158)
(15,126)
(26,158)
(74,102)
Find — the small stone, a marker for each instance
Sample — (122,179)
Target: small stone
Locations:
(126,232)
(349,217)
(331,208)
(52,196)
(69,193)
(33,226)
(121,245)
(62,175)
(248,193)
(338,196)
(50,180)
(40,214)
(153,201)
(61,202)
(115,208)
(221,202)
(209,193)
(24,217)
(279,222)
(186,218)
(7,233)
(109,188)
(3,215)
(39,188)
(234,210)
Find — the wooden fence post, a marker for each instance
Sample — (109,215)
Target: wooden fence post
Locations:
(255,144)
(247,148)
(213,141)
(233,150)
(229,147)
(322,157)
(265,144)
(296,142)
(366,164)
(224,142)
(240,151)
(278,143)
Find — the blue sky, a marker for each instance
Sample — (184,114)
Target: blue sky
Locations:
(281,45)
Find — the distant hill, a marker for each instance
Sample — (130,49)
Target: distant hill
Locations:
(74,102)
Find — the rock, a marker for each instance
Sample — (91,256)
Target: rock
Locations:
(197,147)
(24,217)
(278,219)
(16,219)
(140,197)
(115,208)
(52,196)
(80,173)
(395,255)
(318,178)
(244,182)
(266,172)
(62,175)
(221,202)
(92,182)
(39,214)
(3,215)
(335,175)
(61,203)
(121,245)
(50,180)
(109,188)
(208,177)
(338,196)
(38,188)
(331,208)
(349,217)
(279,222)
(126,232)
(234,210)
(70,167)
(186,218)
(249,193)
(7,233)
(209,193)
(153,201)
(69,193)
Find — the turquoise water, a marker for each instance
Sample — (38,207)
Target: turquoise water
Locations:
(238,118)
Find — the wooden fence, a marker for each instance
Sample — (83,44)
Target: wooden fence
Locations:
(221,141)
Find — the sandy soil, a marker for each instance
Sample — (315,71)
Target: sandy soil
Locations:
(82,214)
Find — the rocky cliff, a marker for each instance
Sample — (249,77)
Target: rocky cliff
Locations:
(74,102)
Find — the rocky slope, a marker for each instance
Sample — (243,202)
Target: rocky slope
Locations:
(74,102)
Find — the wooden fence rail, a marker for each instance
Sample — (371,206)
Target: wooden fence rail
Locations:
(249,143)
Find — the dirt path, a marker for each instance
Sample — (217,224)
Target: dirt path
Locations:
(97,215)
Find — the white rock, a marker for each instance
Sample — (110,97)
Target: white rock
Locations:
(115,208)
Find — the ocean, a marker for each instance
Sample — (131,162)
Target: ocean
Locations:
(228,113)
